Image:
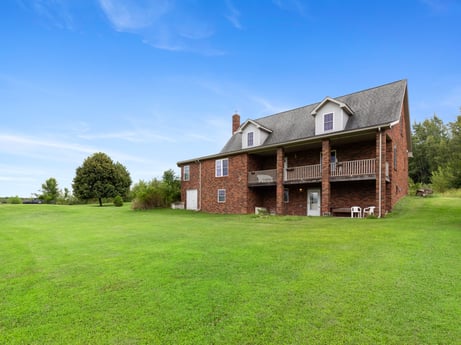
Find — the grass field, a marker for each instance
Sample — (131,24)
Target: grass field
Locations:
(91,275)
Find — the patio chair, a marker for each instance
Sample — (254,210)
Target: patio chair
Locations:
(368,211)
(356,211)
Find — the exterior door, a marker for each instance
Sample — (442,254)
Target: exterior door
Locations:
(313,202)
(191,199)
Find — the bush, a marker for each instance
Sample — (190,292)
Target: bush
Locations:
(147,195)
(118,201)
(15,200)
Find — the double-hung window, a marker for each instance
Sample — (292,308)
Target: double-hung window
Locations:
(186,173)
(222,167)
(250,139)
(328,122)
(221,195)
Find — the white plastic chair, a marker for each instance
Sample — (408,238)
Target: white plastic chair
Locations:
(368,211)
(356,211)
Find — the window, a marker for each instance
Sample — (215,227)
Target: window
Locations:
(395,157)
(221,195)
(250,137)
(222,167)
(328,122)
(286,195)
(186,173)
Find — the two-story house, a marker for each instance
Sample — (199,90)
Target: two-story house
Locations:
(315,160)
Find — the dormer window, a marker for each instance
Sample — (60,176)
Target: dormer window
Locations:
(331,115)
(253,134)
(328,122)
(250,138)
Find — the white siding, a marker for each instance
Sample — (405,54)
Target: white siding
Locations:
(340,118)
(259,135)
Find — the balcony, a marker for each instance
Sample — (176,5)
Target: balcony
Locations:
(363,169)
(262,177)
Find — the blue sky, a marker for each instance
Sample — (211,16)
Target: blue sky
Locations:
(151,83)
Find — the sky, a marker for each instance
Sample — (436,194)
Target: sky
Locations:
(151,83)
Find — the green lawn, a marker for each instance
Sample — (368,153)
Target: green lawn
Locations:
(91,275)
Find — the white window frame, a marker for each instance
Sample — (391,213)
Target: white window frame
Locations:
(222,167)
(221,196)
(332,122)
(186,173)
(250,135)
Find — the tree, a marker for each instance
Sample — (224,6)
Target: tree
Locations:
(455,151)
(50,191)
(171,187)
(430,149)
(99,177)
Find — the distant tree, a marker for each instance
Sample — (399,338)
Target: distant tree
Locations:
(50,191)
(430,141)
(99,177)
(171,185)
(455,151)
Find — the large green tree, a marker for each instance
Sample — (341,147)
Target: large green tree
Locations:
(430,149)
(50,191)
(99,177)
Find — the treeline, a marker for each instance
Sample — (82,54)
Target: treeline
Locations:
(99,179)
(436,154)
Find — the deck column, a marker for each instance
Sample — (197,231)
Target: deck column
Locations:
(279,192)
(381,172)
(325,201)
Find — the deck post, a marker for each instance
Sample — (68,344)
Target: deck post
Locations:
(279,179)
(325,201)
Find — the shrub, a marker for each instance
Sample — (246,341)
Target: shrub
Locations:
(15,200)
(118,201)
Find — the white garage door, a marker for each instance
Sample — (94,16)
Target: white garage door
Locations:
(191,199)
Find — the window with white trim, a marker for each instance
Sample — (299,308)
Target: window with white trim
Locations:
(286,195)
(186,173)
(222,167)
(250,138)
(328,122)
(221,195)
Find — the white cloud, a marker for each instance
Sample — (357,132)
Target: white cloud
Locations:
(131,15)
(234,15)
(291,5)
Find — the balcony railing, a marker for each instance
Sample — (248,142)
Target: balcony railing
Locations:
(303,173)
(262,176)
(363,168)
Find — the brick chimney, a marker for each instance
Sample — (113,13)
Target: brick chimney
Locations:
(235,122)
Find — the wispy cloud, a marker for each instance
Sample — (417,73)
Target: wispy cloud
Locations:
(292,5)
(163,24)
(266,106)
(441,6)
(128,15)
(142,136)
(55,12)
(234,15)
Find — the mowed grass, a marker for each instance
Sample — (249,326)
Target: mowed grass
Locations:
(91,275)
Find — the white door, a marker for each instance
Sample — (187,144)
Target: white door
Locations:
(191,199)
(313,202)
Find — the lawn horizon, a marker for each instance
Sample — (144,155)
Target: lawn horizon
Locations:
(110,275)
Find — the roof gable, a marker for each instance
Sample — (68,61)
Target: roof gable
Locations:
(254,123)
(340,104)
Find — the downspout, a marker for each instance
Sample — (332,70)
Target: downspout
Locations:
(380,172)
(199,184)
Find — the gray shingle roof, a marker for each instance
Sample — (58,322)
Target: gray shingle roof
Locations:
(372,107)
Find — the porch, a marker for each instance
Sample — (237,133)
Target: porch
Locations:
(363,169)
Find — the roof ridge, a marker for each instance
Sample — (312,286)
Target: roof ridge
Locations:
(335,98)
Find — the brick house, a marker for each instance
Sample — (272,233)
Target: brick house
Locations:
(319,159)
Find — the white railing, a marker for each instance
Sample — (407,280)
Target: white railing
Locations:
(303,173)
(362,167)
(353,168)
(262,176)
